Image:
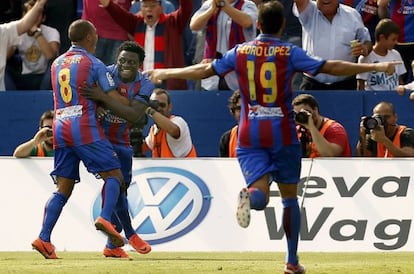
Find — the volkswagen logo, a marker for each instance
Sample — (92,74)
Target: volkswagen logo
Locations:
(165,203)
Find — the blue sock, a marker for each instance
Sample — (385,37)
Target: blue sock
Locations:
(257,199)
(110,193)
(53,208)
(123,215)
(291,225)
(118,227)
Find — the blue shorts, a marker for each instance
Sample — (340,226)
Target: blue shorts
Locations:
(125,158)
(97,157)
(283,164)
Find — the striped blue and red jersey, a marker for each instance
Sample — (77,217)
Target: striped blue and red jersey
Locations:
(75,121)
(264,69)
(117,129)
(402,13)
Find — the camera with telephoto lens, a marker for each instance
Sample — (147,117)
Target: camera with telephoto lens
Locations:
(373,122)
(302,117)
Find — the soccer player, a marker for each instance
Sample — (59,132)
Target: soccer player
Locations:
(268,148)
(135,86)
(78,136)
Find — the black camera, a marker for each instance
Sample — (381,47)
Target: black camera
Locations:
(373,122)
(49,133)
(302,117)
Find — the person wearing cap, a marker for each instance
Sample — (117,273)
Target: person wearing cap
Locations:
(159,33)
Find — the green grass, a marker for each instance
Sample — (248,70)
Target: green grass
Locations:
(207,262)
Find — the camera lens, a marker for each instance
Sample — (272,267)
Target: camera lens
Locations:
(301,117)
(373,122)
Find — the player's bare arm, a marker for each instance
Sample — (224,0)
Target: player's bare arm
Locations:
(132,112)
(194,72)
(336,67)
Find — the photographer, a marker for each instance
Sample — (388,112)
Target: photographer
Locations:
(319,136)
(381,136)
(169,136)
(41,145)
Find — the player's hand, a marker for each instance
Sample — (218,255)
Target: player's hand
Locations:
(155,75)
(104,3)
(93,93)
(387,67)
(100,112)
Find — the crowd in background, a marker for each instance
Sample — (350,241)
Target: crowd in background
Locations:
(207,31)
(178,33)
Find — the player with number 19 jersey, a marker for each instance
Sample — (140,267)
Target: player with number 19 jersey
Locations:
(73,112)
(265,67)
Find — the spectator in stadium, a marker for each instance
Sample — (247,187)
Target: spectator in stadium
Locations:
(37,49)
(228,141)
(402,13)
(268,149)
(167,7)
(59,15)
(227,23)
(131,84)
(328,29)
(9,33)
(319,136)
(10,10)
(386,36)
(368,11)
(110,33)
(159,33)
(41,144)
(381,136)
(169,136)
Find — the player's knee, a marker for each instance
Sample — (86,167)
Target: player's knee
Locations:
(258,199)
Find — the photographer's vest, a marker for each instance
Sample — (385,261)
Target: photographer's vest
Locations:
(160,148)
(233,141)
(41,151)
(326,123)
(383,152)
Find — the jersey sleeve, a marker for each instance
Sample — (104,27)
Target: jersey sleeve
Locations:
(303,62)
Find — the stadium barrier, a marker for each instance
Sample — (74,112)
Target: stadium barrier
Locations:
(206,113)
(189,205)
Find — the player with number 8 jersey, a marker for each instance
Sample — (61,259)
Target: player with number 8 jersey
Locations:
(78,136)
(74,113)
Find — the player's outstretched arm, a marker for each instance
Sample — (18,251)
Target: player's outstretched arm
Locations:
(121,106)
(194,72)
(336,67)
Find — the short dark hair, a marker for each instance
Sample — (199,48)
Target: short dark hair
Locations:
(79,29)
(132,46)
(158,91)
(46,115)
(305,99)
(271,17)
(233,100)
(386,27)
